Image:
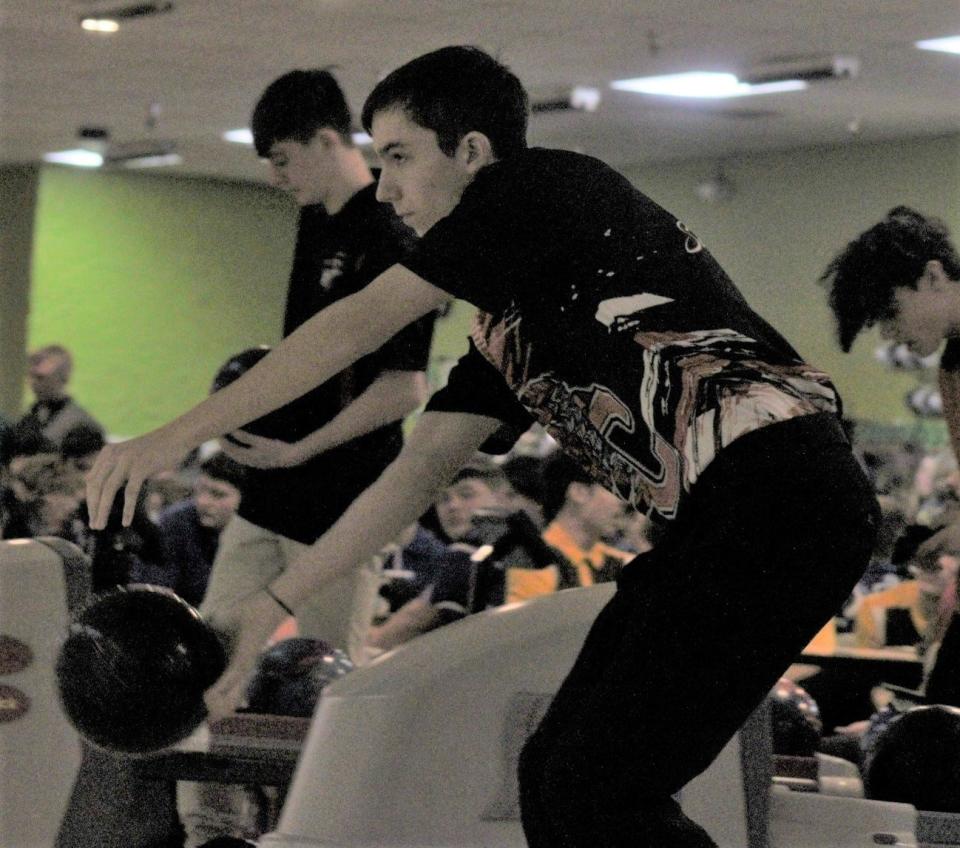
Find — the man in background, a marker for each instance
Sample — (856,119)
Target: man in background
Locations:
(54,412)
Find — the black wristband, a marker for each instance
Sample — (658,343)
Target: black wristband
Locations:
(278,602)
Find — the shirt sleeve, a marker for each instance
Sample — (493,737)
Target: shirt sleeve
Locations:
(477,388)
(408,350)
(484,250)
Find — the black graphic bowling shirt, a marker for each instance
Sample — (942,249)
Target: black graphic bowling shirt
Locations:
(611,324)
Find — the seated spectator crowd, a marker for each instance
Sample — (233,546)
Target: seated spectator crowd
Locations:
(506,529)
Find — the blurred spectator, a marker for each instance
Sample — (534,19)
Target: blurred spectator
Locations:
(190,530)
(164,490)
(908,612)
(581,513)
(81,445)
(54,413)
(482,540)
(524,473)
(43,497)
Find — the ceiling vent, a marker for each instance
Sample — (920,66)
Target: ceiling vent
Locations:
(127,13)
(806,68)
(132,154)
(580,98)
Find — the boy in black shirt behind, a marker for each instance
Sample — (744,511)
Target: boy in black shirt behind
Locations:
(606,320)
(311,458)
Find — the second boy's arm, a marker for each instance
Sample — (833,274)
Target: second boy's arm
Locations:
(439,445)
(326,344)
(391,397)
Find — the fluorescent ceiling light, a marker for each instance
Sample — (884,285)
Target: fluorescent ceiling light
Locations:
(241,136)
(585,97)
(244,136)
(704,84)
(949,44)
(99,25)
(79,158)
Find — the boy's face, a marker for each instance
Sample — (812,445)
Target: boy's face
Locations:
(458,503)
(301,170)
(216,501)
(923,317)
(418,179)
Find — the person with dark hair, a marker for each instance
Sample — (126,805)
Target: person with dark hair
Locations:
(903,274)
(900,274)
(580,513)
(317,454)
(606,320)
(524,473)
(81,445)
(190,530)
(54,412)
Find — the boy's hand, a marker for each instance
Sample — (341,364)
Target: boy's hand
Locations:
(261,452)
(259,618)
(129,464)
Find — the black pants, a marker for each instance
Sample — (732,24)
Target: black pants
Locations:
(775,534)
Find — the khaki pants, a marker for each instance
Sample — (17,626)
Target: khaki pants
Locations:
(249,557)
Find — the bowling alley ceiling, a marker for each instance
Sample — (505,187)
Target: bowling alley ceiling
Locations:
(184,76)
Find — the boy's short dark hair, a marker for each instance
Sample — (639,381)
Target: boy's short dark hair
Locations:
(454,91)
(296,105)
(525,475)
(890,255)
(487,472)
(559,471)
(81,441)
(219,466)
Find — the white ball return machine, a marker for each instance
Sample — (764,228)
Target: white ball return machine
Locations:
(419,750)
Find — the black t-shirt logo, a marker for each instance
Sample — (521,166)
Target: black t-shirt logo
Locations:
(332,269)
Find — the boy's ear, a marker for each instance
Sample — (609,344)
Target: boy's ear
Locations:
(934,274)
(327,137)
(475,151)
(578,493)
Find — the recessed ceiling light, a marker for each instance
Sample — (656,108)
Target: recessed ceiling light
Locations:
(704,84)
(99,24)
(78,157)
(949,44)
(240,136)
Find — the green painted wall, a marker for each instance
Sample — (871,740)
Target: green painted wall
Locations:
(153,282)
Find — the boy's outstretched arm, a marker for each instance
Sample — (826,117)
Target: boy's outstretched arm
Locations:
(439,445)
(326,344)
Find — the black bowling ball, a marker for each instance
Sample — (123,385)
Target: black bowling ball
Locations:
(133,669)
(291,422)
(916,760)
(290,676)
(795,720)
(234,368)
